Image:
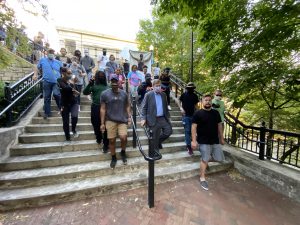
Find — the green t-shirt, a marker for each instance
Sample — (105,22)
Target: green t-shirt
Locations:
(220,107)
(95,91)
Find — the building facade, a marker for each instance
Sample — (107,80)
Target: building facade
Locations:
(73,39)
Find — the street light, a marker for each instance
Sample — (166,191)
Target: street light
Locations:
(192,56)
(151,48)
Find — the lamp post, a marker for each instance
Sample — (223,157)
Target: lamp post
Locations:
(151,48)
(192,57)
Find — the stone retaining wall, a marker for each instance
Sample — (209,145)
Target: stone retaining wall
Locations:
(279,178)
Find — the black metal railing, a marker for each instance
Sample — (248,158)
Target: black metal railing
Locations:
(280,146)
(20,96)
(179,85)
(152,155)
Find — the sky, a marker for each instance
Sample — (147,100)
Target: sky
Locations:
(119,18)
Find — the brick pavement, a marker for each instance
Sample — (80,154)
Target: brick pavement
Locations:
(232,199)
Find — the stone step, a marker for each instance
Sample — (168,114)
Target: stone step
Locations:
(58,174)
(56,147)
(47,128)
(58,120)
(97,186)
(83,135)
(83,108)
(175,116)
(67,158)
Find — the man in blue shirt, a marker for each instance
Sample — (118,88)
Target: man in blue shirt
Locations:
(51,72)
(156,115)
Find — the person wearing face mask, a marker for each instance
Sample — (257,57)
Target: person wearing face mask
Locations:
(207,132)
(95,88)
(219,105)
(79,72)
(145,87)
(50,68)
(111,66)
(115,116)
(69,102)
(155,114)
(88,63)
(188,101)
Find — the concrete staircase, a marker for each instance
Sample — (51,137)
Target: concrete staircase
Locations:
(43,169)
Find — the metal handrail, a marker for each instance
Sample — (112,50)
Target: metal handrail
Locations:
(15,93)
(157,155)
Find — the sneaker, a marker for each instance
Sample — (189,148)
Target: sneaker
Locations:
(124,157)
(113,163)
(189,150)
(204,185)
(67,141)
(105,149)
(78,108)
(75,134)
(169,108)
(89,97)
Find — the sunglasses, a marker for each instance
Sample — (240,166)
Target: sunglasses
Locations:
(219,95)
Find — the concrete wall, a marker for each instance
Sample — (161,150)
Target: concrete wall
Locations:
(9,136)
(279,178)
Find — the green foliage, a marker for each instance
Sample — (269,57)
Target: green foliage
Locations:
(13,30)
(251,51)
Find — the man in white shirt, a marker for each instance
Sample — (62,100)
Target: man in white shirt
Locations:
(102,60)
(156,71)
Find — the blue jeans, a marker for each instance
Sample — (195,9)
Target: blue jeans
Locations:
(187,123)
(48,89)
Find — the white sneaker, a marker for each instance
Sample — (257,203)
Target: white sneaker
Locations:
(89,97)
(75,134)
(169,108)
(78,108)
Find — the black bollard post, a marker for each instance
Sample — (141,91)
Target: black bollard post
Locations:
(151,172)
(134,121)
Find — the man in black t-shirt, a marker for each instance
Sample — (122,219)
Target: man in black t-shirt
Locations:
(188,101)
(207,131)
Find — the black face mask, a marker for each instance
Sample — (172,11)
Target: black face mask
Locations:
(207,107)
(190,90)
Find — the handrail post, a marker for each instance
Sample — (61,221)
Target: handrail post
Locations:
(7,95)
(126,83)
(151,172)
(262,139)
(134,121)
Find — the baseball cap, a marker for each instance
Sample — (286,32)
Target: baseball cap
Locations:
(114,77)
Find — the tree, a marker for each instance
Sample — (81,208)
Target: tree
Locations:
(250,47)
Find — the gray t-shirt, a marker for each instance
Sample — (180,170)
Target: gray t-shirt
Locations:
(116,105)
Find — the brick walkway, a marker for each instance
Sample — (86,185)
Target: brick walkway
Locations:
(232,199)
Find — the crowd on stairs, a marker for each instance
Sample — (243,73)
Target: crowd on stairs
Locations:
(65,78)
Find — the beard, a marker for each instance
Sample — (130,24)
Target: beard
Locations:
(207,106)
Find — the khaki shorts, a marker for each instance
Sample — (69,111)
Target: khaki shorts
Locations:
(114,127)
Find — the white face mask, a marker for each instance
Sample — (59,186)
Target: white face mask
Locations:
(86,54)
(157,89)
(218,97)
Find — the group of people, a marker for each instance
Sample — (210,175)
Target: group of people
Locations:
(111,111)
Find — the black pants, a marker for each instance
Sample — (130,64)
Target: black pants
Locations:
(167,92)
(160,131)
(65,113)
(96,122)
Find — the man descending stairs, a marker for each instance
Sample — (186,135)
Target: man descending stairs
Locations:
(43,169)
